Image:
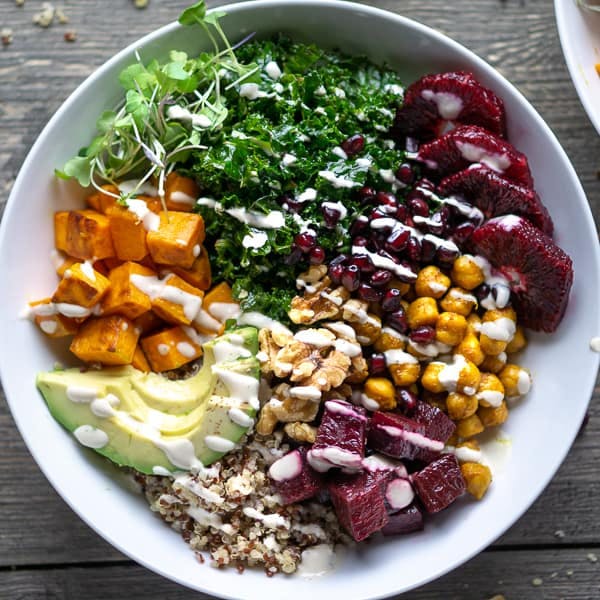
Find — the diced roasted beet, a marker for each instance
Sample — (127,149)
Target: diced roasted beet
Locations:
(439,483)
(438,426)
(399,494)
(377,462)
(293,478)
(359,503)
(406,520)
(340,438)
(399,437)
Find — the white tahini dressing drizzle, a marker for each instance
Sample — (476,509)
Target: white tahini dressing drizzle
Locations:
(448,105)
(272,220)
(91,436)
(139,208)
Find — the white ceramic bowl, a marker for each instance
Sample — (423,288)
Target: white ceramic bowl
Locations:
(579,31)
(542,428)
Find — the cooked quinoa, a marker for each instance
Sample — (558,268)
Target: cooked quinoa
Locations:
(230,511)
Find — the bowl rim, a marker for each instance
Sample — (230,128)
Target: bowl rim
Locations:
(341,5)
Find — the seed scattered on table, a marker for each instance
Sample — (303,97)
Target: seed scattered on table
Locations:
(70,36)
(6,35)
(537,581)
(592,557)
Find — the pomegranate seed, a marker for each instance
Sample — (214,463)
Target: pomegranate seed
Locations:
(391,300)
(422,335)
(317,255)
(405,174)
(358,226)
(463,232)
(437,223)
(417,206)
(446,256)
(380,278)
(413,249)
(377,213)
(360,241)
(387,199)
(305,241)
(331,216)
(401,212)
(407,401)
(340,259)
(397,240)
(482,292)
(363,262)
(377,364)
(425,184)
(398,321)
(293,257)
(366,194)
(353,145)
(335,273)
(428,249)
(351,278)
(368,293)
(387,255)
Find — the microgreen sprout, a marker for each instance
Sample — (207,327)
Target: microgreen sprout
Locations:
(169,111)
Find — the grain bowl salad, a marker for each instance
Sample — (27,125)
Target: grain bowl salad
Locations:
(298,293)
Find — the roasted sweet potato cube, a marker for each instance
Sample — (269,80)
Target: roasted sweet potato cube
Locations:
(67,263)
(218,306)
(128,234)
(177,240)
(148,322)
(199,275)
(140,362)
(56,326)
(88,235)
(103,201)
(123,297)
(110,340)
(170,349)
(61,220)
(179,302)
(181,192)
(82,285)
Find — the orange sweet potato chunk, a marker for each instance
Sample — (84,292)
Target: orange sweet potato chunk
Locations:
(110,340)
(88,235)
(67,263)
(181,192)
(148,322)
(199,275)
(179,302)
(170,349)
(61,220)
(213,322)
(128,234)
(140,362)
(177,240)
(56,326)
(123,297)
(82,285)
(103,202)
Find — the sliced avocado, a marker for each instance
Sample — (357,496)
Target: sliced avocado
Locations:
(147,421)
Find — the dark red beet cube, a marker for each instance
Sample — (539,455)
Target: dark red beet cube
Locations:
(439,483)
(438,426)
(399,437)
(359,503)
(340,438)
(407,520)
(293,478)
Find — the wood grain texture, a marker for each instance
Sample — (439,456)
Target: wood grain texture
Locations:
(39,70)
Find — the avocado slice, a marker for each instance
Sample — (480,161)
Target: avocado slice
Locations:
(156,425)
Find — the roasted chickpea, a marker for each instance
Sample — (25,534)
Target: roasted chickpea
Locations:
(477,477)
(431,377)
(382,391)
(494,364)
(497,330)
(516,380)
(474,323)
(458,300)
(467,428)
(389,339)
(490,391)
(518,342)
(431,282)
(460,406)
(450,328)
(422,311)
(491,416)
(470,348)
(466,273)
(405,374)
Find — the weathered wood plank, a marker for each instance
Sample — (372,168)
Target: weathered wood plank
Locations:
(527,575)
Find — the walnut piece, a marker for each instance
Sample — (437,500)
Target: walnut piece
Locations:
(301,432)
(322,303)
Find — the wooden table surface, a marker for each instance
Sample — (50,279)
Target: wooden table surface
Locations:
(46,551)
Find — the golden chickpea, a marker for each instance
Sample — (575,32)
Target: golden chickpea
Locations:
(450,328)
(492,416)
(452,440)
(500,313)
(490,391)
(405,374)
(422,311)
(389,339)
(477,477)
(470,348)
(468,379)
(494,364)
(518,342)
(369,331)
(467,428)
(435,399)
(474,324)
(471,444)
(431,282)
(382,391)
(466,272)
(431,377)
(516,380)
(460,406)
(458,300)
(497,330)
